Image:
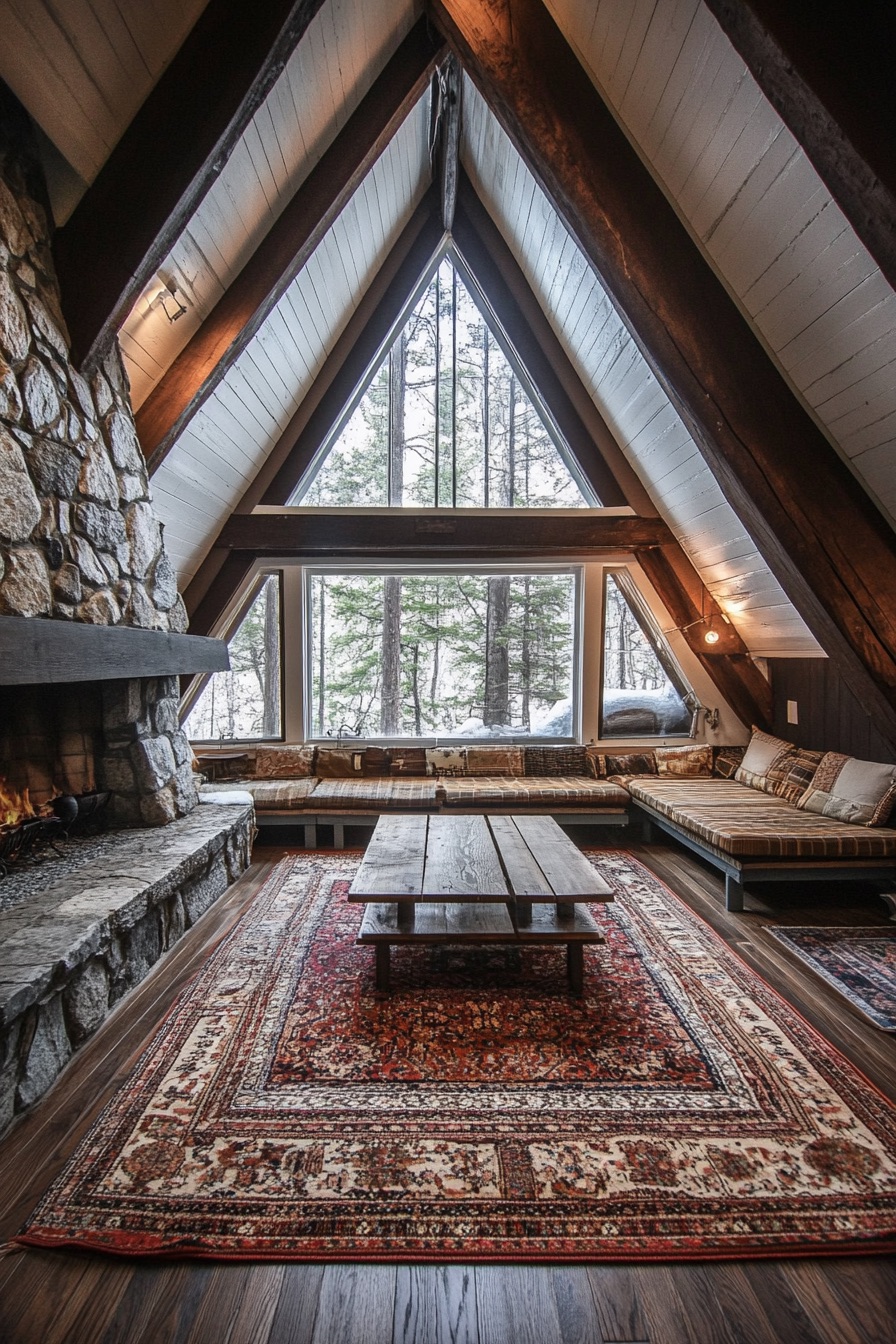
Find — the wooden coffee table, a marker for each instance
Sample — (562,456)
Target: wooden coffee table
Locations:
(476,879)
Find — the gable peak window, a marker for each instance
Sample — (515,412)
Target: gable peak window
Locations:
(448,419)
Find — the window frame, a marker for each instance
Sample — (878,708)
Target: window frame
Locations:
(407,568)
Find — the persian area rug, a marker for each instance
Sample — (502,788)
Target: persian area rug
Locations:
(859,963)
(679,1110)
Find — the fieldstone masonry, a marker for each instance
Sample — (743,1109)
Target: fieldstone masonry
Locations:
(78,537)
(72,952)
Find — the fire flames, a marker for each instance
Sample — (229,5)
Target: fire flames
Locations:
(17,807)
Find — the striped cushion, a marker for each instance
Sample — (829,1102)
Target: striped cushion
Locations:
(271,795)
(737,820)
(374,794)
(529,791)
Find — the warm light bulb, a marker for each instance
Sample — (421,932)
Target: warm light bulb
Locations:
(711,636)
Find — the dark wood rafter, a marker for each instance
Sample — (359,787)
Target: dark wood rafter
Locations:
(823,538)
(728,662)
(225,587)
(445,535)
(828,70)
(169,156)
(445,139)
(242,309)
(523,323)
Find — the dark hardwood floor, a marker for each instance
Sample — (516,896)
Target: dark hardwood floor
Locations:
(74,1298)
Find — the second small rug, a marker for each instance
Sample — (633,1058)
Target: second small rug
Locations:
(859,963)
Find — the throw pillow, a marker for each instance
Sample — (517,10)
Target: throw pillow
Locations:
(494,760)
(409,761)
(284,762)
(554,760)
(446,760)
(791,772)
(759,758)
(862,792)
(339,762)
(603,763)
(726,761)
(692,761)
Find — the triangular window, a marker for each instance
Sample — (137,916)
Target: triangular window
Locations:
(644,690)
(448,419)
(244,703)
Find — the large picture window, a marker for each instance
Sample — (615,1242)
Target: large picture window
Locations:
(476,654)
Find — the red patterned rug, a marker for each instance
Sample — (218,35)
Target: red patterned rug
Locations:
(285,1110)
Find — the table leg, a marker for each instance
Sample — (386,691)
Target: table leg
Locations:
(575,965)
(566,909)
(382,966)
(524,912)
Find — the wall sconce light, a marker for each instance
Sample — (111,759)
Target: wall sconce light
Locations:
(171,305)
(711,718)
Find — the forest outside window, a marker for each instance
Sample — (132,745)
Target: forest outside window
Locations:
(442,654)
(245,703)
(447,420)
(644,692)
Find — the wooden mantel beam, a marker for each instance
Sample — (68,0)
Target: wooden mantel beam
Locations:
(828,70)
(830,548)
(430,535)
(240,312)
(167,159)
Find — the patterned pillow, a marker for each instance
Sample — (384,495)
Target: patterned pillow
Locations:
(376,761)
(339,762)
(692,761)
(494,761)
(409,761)
(791,772)
(284,762)
(759,757)
(726,761)
(600,764)
(554,760)
(862,792)
(446,760)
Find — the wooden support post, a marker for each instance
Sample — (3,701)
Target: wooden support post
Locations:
(575,968)
(734,894)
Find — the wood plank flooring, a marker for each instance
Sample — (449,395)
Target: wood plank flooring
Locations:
(75,1298)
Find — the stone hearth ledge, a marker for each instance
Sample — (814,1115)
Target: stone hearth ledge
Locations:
(70,953)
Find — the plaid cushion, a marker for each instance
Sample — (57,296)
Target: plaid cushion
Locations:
(271,795)
(554,761)
(529,791)
(339,762)
(852,790)
(762,753)
(602,763)
(726,761)
(791,773)
(408,761)
(375,795)
(738,821)
(446,760)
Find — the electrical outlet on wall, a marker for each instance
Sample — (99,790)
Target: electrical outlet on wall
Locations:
(792,712)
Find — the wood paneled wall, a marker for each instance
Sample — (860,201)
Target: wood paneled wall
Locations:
(830,716)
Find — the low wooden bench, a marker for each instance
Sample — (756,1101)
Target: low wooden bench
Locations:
(476,879)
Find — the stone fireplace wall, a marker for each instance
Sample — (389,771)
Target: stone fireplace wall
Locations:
(78,537)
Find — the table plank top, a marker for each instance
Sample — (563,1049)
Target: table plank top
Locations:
(471,857)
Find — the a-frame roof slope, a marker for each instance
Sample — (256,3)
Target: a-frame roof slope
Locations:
(756,212)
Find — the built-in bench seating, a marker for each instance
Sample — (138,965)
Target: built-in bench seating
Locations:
(768,812)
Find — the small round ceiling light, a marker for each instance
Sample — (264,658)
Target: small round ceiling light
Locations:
(711,636)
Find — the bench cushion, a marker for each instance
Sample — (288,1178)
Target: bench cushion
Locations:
(270,795)
(373,795)
(737,820)
(531,791)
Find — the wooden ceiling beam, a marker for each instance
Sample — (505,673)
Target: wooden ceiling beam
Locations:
(447,93)
(823,538)
(828,71)
(163,165)
(449,535)
(268,273)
